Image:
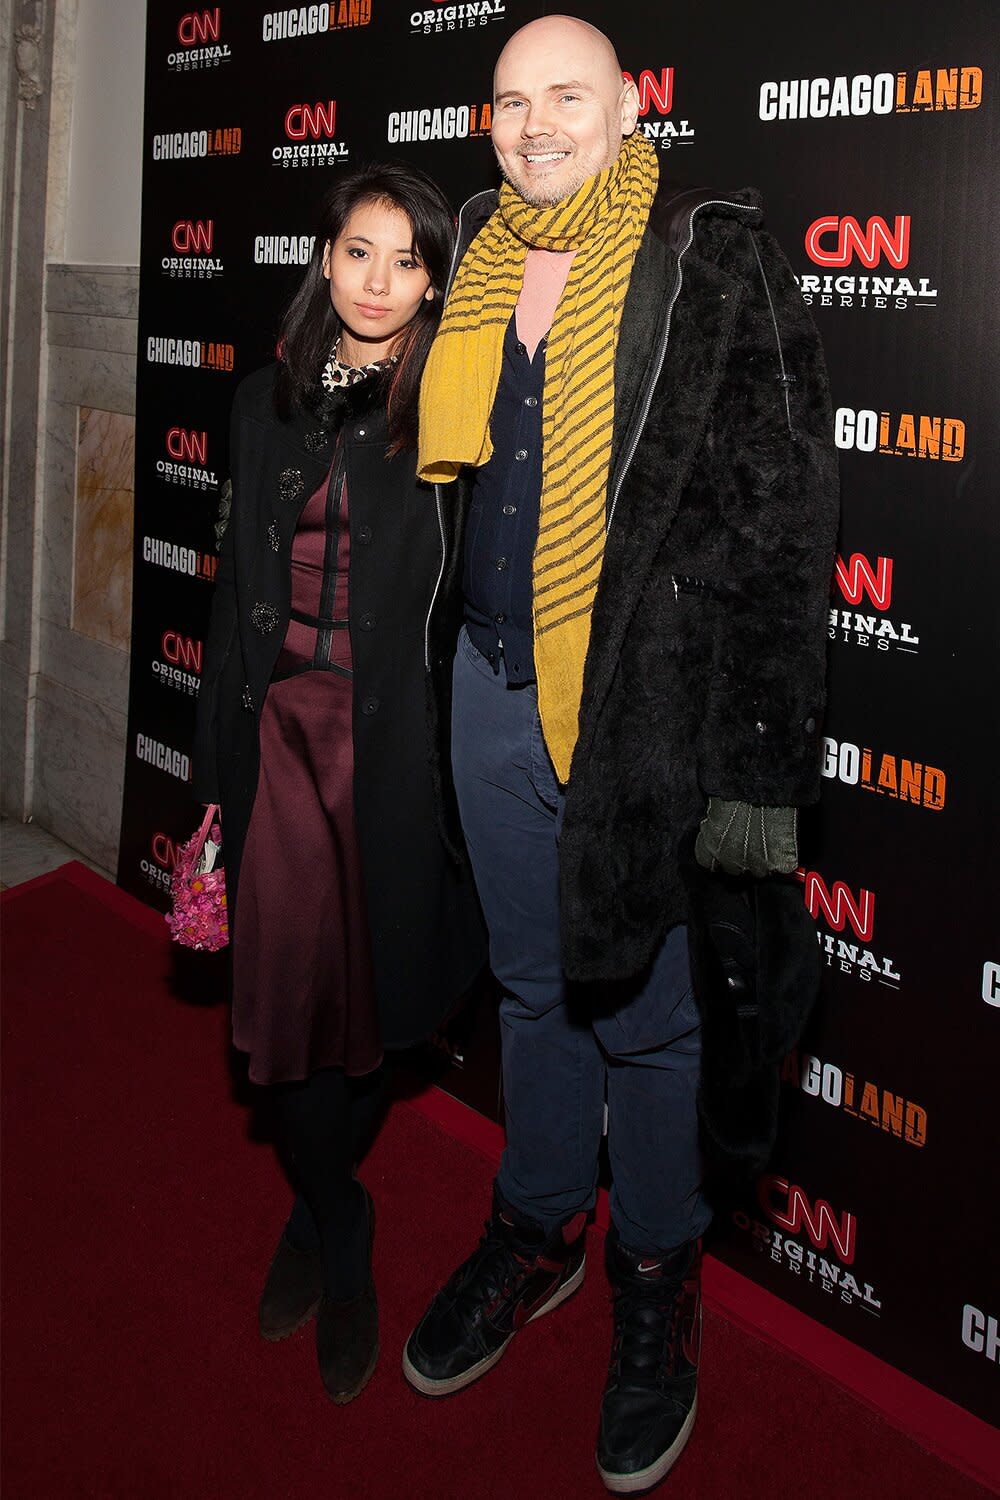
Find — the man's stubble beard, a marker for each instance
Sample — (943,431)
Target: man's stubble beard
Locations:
(543,198)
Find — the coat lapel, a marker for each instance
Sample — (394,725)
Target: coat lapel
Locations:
(643,317)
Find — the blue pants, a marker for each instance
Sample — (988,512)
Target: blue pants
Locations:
(568,1048)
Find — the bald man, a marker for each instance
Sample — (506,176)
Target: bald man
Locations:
(626,416)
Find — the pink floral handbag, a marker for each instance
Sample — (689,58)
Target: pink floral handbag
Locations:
(199,918)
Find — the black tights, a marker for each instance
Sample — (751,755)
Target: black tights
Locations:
(323,1126)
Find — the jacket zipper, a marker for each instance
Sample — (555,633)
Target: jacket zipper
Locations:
(655,374)
(437,488)
(430,608)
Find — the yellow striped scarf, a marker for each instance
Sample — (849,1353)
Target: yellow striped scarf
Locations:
(604,223)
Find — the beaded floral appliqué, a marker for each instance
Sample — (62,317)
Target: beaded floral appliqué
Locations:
(290,484)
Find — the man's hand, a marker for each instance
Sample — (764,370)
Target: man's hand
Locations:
(745,840)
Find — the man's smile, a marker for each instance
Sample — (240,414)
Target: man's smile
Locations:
(538,159)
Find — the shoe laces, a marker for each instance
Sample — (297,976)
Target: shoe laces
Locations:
(647,1346)
(492,1271)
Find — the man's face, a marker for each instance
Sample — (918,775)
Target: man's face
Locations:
(560,109)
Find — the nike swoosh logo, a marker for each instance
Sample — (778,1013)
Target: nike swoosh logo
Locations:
(691,1336)
(525,1310)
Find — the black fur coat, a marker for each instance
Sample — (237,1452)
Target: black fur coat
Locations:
(706,664)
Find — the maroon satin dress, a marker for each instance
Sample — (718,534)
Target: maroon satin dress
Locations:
(303,985)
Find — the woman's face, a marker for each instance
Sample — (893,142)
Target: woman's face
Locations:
(376,281)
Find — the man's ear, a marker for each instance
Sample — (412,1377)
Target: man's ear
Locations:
(630,108)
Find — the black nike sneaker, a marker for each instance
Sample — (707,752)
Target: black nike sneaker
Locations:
(651,1395)
(517,1273)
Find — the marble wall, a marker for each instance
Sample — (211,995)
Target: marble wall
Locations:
(85,583)
(105,502)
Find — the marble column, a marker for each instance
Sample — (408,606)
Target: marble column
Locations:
(25,112)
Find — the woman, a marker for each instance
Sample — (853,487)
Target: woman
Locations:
(353,929)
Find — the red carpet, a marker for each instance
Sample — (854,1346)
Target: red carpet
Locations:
(139,1217)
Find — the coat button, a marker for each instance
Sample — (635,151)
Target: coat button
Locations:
(263,617)
(521,454)
(760,727)
(290,484)
(500,618)
(367,622)
(501,563)
(810,725)
(362,432)
(510,510)
(370,706)
(364,534)
(531,400)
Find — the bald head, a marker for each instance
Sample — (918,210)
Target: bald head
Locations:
(560,107)
(558,40)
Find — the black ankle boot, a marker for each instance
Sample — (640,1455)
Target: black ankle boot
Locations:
(347,1334)
(650,1398)
(292,1290)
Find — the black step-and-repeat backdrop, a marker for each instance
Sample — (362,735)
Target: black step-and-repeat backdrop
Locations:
(874,138)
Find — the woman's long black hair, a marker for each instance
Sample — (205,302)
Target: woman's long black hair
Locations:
(311,327)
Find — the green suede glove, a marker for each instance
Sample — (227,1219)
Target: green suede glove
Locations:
(745,840)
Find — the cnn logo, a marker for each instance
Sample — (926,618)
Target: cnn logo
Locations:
(164,851)
(189,447)
(199,26)
(312,120)
(857,577)
(838,905)
(787,1205)
(837,240)
(654,91)
(193,236)
(182,651)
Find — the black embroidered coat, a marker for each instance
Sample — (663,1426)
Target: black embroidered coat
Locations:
(428,941)
(707,653)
